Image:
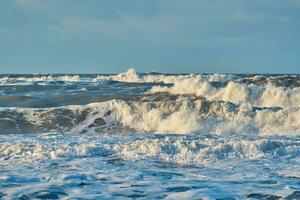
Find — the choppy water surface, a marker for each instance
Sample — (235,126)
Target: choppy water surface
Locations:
(150,136)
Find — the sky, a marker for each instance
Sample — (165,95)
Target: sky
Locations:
(109,36)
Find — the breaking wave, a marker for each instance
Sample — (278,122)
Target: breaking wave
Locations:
(152,103)
(255,95)
(180,115)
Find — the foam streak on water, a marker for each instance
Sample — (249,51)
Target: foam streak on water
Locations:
(149,136)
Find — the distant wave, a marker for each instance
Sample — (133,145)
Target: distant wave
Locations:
(132,76)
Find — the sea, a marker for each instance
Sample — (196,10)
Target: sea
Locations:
(150,136)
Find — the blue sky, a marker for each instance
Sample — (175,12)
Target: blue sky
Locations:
(109,36)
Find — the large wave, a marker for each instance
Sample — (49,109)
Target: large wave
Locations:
(181,104)
(180,115)
(256,95)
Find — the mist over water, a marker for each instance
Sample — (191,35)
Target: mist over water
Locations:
(150,135)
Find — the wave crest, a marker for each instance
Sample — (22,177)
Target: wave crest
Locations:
(181,115)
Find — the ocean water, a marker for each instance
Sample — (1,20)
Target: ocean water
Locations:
(150,136)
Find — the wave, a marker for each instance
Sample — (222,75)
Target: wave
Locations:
(184,150)
(132,76)
(257,90)
(32,79)
(129,76)
(206,149)
(173,114)
(155,103)
(261,96)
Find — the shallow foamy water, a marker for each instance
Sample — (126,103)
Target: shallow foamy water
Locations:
(124,166)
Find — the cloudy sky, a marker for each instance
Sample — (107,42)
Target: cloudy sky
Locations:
(109,36)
